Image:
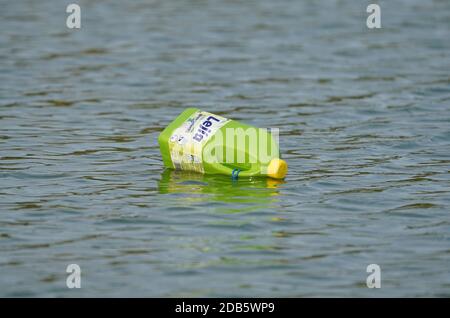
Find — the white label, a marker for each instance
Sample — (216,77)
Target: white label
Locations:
(187,141)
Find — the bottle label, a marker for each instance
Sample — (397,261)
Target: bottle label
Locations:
(187,141)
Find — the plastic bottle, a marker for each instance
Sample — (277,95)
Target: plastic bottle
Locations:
(211,144)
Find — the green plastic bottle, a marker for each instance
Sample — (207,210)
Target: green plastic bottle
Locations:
(211,144)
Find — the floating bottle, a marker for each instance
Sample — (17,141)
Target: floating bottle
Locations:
(211,144)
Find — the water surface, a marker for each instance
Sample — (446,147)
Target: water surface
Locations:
(365,128)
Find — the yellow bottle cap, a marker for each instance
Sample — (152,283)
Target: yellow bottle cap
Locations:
(277,168)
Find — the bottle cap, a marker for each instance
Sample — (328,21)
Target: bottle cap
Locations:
(277,168)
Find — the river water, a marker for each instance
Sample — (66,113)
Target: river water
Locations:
(364,119)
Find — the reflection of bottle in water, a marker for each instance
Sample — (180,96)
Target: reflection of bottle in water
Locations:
(211,144)
(260,190)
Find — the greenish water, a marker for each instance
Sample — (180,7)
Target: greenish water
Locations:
(365,128)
